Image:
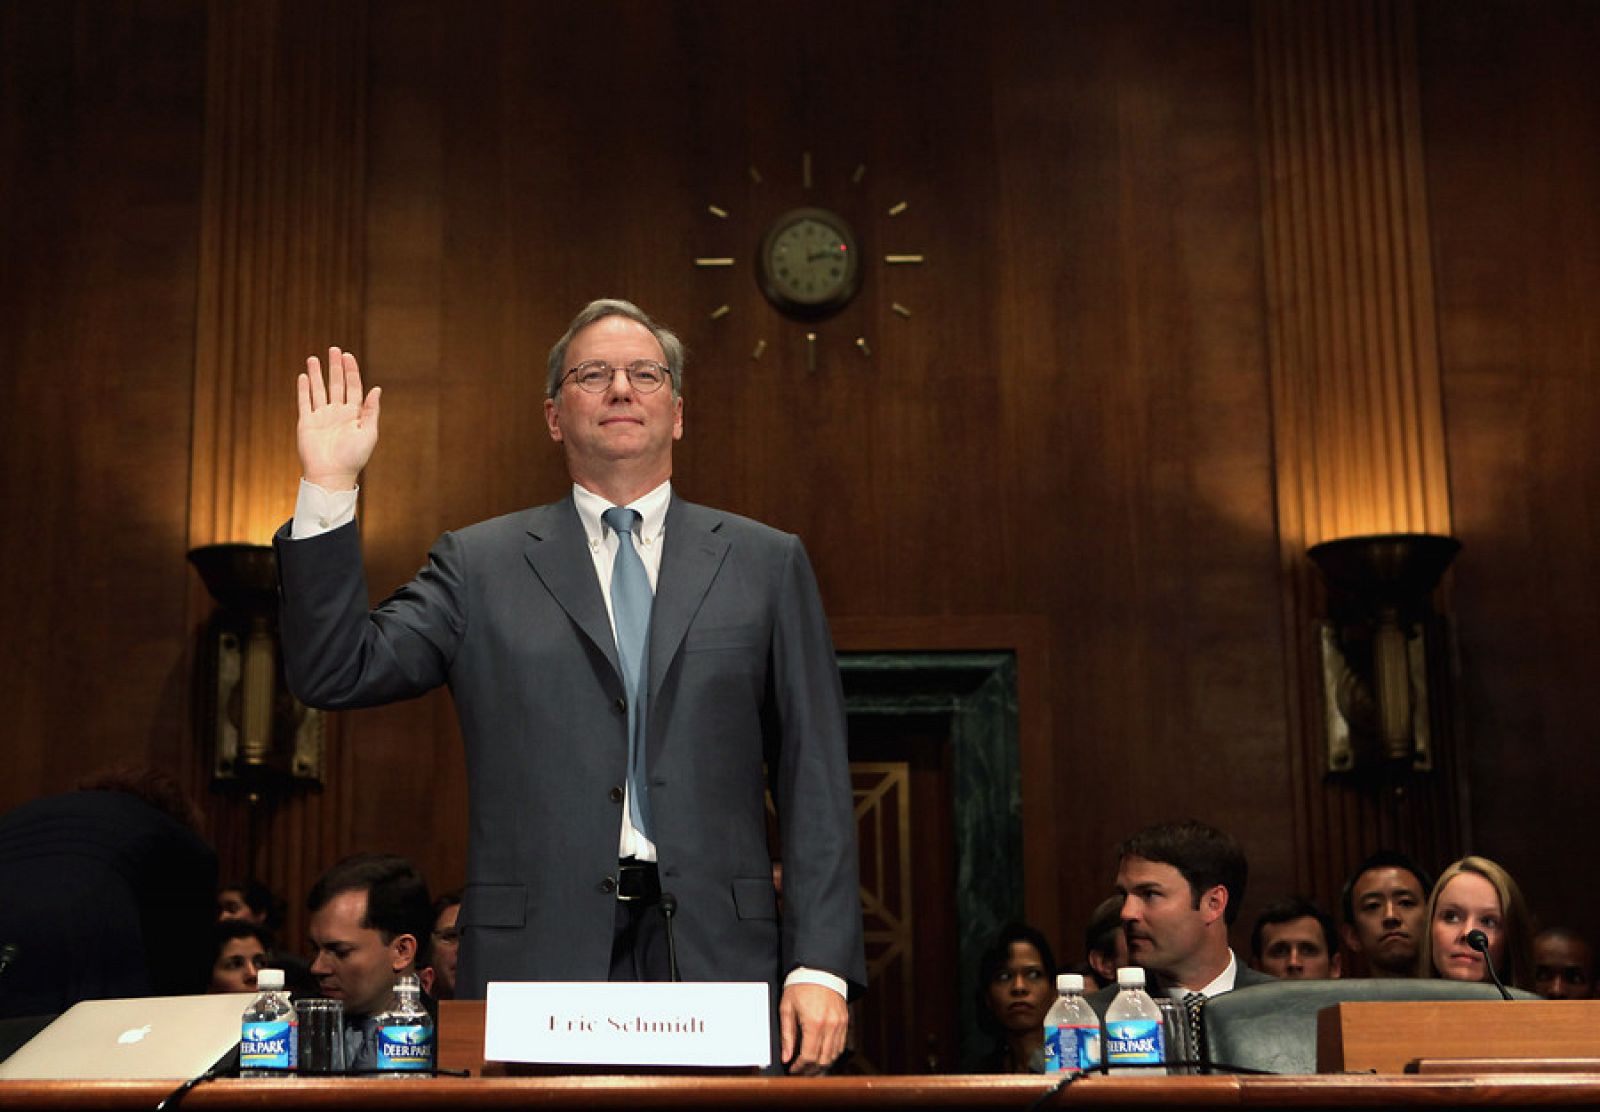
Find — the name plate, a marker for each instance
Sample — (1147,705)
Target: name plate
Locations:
(589,1023)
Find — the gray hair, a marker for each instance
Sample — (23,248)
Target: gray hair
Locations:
(671,346)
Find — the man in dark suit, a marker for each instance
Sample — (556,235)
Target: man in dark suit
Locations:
(1181,885)
(370,917)
(104,892)
(622,662)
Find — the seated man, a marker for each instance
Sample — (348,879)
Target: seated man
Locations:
(105,892)
(1181,885)
(1563,965)
(1385,913)
(439,978)
(1105,947)
(1295,940)
(370,919)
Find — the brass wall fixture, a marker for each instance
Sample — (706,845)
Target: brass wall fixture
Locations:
(262,739)
(1375,646)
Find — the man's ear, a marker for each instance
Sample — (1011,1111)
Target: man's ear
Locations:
(1336,967)
(1352,941)
(403,951)
(552,419)
(1214,903)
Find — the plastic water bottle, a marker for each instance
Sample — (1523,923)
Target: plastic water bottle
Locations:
(268,1030)
(1133,1025)
(405,1032)
(1071,1029)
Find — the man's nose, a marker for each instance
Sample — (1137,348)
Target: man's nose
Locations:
(621,385)
(320,966)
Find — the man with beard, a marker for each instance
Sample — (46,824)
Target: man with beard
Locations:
(1385,908)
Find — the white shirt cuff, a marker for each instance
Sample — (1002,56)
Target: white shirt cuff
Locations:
(318,510)
(800,975)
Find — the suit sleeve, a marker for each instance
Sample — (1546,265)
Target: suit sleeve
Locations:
(816,812)
(339,654)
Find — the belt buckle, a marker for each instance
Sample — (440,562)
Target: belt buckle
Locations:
(633,882)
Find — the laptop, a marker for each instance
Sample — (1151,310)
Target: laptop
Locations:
(150,1038)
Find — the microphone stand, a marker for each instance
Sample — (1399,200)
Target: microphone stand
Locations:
(669,908)
(1480,942)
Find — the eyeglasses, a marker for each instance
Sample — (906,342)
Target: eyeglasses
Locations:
(594,376)
(450,936)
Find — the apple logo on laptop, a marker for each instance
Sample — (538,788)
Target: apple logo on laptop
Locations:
(133,1035)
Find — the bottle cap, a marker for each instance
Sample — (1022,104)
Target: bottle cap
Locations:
(1069,982)
(269,979)
(1130,976)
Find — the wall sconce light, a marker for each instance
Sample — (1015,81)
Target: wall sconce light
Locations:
(1374,645)
(263,740)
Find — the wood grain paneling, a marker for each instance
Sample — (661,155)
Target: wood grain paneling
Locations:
(1165,337)
(1358,423)
(280,269)
(1514,187)
(100,144)
(1136,475)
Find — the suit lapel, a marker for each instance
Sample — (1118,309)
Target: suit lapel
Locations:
(558,552)
(694,551)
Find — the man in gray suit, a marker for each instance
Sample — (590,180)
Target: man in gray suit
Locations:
(622,662)
(1181,885)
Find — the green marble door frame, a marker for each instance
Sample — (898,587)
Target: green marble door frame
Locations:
(977,693)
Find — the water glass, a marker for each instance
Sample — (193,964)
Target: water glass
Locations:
(321,1036)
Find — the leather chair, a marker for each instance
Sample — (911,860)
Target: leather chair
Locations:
(1273,1028)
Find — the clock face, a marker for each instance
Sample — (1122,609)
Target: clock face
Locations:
(809,264)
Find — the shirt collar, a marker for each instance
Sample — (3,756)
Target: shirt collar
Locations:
(652,510)
(1223,982)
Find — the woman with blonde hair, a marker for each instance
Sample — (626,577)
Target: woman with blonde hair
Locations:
(1478,894)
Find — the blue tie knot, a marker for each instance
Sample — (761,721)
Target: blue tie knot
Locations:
(621,520)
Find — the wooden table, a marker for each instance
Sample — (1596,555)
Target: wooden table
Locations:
(1324,1092)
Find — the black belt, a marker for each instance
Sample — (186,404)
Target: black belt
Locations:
(638,881)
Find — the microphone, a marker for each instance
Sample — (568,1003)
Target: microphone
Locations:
(8,954)
(669,908)
(1480,942)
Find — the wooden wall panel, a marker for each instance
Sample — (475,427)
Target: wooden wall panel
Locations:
(1358,423)
(280,268)
(100,141)
(1513,128)
(1136,479)
(1077,424)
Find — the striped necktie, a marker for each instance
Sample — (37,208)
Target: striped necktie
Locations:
(1193,1004)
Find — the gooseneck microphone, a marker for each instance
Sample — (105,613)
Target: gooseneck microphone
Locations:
(1480,942)
(669,908)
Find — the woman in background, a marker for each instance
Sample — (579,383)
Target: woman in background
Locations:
(241,954)
(1476,893)
(1016,986)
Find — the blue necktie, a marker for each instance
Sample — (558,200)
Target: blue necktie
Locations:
(631,599)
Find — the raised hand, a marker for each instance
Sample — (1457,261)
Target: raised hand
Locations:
(338,428)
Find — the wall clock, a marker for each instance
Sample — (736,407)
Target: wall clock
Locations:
(809,261)
(809,265)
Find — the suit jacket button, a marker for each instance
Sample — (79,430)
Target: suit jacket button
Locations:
(608,885)
(622,706)
(616,795)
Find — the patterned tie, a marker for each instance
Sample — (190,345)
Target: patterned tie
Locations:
(631,599)
(1193,1003)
